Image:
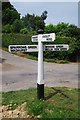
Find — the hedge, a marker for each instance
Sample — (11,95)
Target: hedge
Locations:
(25,39)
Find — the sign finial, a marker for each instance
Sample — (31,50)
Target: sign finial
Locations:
(40,31)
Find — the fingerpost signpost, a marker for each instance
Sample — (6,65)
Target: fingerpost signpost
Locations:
(40,38)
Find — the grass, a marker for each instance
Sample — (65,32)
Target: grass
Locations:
(45,60)
(58,103)
(56,61)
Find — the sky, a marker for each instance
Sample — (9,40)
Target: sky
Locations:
(58,12)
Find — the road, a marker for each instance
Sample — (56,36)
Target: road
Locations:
(21,73)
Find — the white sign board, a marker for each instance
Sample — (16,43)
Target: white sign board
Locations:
(48,37)
(32,48)
(56,47)
(44,37)
(34,38)
(23,48)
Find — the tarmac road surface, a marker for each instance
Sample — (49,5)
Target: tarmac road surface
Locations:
(21,73)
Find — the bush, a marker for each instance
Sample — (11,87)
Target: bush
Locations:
(16,26)
(24,31)
(6,28)
(25,39)
(15,39)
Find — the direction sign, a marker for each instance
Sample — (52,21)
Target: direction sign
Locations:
(34,38)
(23,48)
(44,37)
(56,47)
(34,48)
(48,37)
(40,48)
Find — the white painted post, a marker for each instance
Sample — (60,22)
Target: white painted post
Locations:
(40,61)
(40,80)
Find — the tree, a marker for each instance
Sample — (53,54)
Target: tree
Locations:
(6,5)
(51,28)
(9,13)
(44,15)
(72,30)
(39,23)
(29,21)
(32,22)
(16,26)
(6,28)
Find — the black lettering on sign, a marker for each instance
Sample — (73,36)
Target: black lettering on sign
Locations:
(56,49)
(13,48)
(34,37)
(49,48)
(49,39)
(18,48)
(63,48)
(45,36)
(53,46)
(46,48)
(23,48)
(60,46)
(32,47)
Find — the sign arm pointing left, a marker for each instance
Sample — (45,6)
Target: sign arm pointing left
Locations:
(23,48)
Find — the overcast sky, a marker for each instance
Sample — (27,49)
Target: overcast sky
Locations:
(57,11)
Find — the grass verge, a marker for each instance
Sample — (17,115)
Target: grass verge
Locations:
(58,102)
(36,58)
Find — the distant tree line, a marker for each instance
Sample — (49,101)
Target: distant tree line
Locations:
(13,23)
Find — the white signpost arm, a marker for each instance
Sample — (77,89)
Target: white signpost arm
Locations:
(40,79)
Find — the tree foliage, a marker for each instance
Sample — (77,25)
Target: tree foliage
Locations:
(6,5)
(9,13)
(32,22)
(66,34)
(44,15)
(6,28)
(16,26)
(24,31)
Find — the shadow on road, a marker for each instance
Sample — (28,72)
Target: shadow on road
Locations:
(2,60)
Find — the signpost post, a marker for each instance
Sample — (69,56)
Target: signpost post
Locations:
(40,38)
(40,79)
